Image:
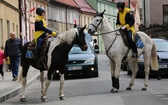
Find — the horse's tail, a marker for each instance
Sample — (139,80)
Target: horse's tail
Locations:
(154,58)
(20,77)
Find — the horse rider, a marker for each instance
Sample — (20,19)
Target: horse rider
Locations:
(125,21)
(41,32)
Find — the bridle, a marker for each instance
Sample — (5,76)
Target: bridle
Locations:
(97,25)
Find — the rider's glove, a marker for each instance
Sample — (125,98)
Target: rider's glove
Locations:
(54,33)
(118,28)
(123,27)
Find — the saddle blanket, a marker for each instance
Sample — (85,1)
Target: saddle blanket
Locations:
(138,41)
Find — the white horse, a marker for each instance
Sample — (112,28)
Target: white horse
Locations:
(116,49)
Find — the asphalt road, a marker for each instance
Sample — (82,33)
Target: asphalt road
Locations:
(96,91)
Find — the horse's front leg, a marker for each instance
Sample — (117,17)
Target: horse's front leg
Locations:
(112,65)
(61,90)
(134,68)
(115,79)
(47,84)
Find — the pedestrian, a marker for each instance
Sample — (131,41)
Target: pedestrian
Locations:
(41,31)
(96,48)
(125,22)
(13,49)
(2,57)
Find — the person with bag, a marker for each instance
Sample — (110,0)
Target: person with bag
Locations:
(13,48)
(2,57)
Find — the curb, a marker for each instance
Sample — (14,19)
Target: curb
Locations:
(12,92)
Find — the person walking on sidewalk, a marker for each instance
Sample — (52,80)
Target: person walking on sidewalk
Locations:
(13,49)
(2,57)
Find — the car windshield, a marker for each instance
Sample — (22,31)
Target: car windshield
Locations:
(76,50)
(162,46)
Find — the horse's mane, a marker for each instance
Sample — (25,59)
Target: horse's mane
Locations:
(69,35)
(106,23)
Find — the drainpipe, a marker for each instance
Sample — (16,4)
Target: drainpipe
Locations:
(128,3)
(66,18)
(144,13)
(25,7)
(20,18)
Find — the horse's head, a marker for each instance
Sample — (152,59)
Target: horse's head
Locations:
(80,39)
(96,23)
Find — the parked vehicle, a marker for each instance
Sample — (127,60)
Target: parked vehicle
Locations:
(162,52)
(80,63)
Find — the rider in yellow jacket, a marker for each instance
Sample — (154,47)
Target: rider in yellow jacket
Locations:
(41,30)
(125,21)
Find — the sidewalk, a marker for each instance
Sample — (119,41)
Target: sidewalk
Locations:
(9,88)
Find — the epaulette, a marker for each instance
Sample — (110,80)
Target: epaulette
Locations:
(128,11)
(38,19)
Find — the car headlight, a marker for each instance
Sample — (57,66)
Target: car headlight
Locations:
(90,61)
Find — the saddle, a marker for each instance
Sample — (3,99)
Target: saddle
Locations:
(137,39)
(32,52)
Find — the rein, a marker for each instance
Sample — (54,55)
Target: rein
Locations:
(106,33)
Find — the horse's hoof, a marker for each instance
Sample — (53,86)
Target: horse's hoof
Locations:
(22,99)
(62,98)
(114,91)
(143,89)
(128,88)
(44,99)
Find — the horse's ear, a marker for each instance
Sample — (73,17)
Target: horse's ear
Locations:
(83,28)
(101,14)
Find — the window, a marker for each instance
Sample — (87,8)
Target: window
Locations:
(13,27)
(17,31)
(8,28)
(165,13)
(1,31)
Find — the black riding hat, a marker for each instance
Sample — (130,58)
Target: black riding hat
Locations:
(121,5)
(39,11)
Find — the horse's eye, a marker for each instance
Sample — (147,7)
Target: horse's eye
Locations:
(97,20)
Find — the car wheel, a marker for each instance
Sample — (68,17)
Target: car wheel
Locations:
(96,74)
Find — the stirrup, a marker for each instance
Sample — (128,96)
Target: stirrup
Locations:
(134,55)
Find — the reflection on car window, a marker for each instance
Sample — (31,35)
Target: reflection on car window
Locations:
(161,46)
(76,50)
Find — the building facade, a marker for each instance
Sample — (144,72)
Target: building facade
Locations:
(62,14)
(9,19)
(154,12)
(110,14)
(31,15)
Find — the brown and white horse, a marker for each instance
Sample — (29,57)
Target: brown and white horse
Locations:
(57,56)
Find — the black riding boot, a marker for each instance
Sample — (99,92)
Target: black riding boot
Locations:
(134,50)
(39,61)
